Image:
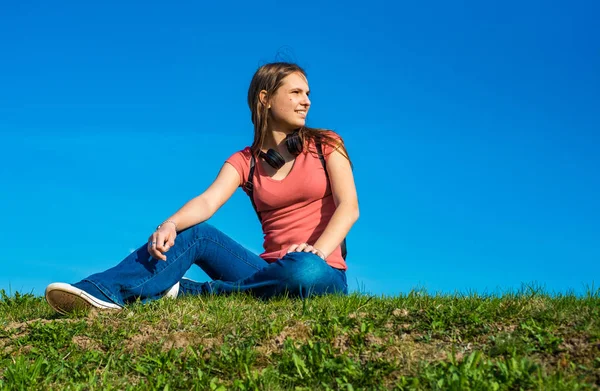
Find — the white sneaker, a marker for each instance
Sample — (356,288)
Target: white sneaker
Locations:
(173,292)
(65,298)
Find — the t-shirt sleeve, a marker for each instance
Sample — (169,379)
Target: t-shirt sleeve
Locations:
(241,162)
(327,149)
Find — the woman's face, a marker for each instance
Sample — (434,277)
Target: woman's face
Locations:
(290,103)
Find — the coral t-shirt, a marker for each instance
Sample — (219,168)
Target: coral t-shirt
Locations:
(295,209)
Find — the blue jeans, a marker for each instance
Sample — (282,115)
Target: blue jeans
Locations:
(232,268)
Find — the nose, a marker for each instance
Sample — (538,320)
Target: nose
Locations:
(306,100)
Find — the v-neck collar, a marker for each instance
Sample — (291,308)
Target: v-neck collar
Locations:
(262,172)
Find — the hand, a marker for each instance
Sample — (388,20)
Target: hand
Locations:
(161,241)
(307,248)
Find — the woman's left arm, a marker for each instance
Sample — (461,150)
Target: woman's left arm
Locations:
(344,194)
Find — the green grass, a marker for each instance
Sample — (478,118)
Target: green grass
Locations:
(518,341)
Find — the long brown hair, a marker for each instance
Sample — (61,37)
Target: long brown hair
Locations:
(269,77)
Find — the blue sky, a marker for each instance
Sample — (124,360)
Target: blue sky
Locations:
(473,129)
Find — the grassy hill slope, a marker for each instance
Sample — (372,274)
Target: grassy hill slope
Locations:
(527,340)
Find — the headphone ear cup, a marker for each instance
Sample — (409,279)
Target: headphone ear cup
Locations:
(293,143)
(273,158)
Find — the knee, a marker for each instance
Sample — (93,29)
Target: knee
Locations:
(310,273)
(198,231)
(196,234)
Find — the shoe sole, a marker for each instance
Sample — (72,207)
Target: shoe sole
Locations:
(64,298)
(64,302)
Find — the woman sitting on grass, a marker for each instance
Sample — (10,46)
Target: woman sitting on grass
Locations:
(300,182)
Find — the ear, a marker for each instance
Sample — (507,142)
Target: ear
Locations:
(262,96)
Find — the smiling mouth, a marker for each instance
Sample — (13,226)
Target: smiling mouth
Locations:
(302,112)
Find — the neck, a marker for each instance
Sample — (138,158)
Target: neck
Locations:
(275,138)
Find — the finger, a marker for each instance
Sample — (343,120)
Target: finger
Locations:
(151,243)
(159,255)
(152,248)
(160,249)
(292,248)
(170,243)
(171,239)
(309,249)
(160,242)
(301,247)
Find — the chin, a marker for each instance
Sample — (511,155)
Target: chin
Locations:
(294,124)
(299,124)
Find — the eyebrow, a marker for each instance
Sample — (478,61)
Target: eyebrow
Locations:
(299,88)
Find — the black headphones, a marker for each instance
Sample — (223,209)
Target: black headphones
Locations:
(293,142)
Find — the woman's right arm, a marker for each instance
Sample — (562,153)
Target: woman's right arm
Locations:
(195,211)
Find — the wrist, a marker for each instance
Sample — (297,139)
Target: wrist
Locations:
(167,222)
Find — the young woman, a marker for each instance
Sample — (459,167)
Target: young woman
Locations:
(300,182)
